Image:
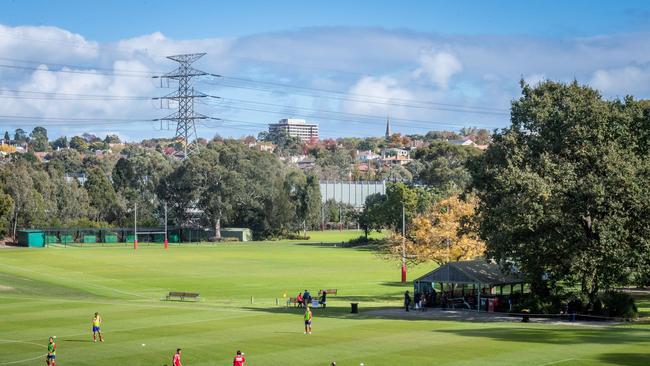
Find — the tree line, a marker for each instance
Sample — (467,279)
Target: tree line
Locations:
(561,195)
(226,183)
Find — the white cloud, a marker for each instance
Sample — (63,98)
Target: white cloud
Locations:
(388,64)
(622,81)
(438,67)
(382,89)
(27,42)
(534,79)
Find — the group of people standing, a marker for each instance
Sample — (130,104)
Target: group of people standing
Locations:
(420,301)
(50,356)
(239,359)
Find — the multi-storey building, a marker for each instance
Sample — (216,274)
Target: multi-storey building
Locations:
(296,128)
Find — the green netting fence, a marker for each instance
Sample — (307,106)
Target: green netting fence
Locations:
(124,236)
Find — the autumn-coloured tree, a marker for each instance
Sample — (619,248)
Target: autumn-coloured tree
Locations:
(442,233)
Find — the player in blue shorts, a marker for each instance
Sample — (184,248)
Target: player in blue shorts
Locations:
(308,318)
(97,322)
(50,358)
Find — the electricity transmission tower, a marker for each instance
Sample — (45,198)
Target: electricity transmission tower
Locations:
(185,117)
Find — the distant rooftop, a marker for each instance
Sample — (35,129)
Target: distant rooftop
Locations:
(292,121)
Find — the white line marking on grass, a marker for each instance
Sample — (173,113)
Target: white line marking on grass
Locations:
(155,304)
(21,361)
(87,283)
(558,361)
(26,359)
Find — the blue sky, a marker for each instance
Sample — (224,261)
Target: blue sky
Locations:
(113,20)
(427,64)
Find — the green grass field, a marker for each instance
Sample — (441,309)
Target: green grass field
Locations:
(55,291)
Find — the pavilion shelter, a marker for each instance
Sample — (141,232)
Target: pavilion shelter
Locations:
(472,282)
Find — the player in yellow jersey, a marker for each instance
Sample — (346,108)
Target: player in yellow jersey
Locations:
(97,322)
(308,318)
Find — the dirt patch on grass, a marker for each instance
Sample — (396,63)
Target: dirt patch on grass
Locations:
(5,288)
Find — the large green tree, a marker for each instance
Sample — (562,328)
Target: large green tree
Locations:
(28,203)
(136,177)
(107,204)
(38,139)
(565,190)
(444,166)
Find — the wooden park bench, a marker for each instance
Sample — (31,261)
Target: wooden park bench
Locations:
(292,301)
(182,296)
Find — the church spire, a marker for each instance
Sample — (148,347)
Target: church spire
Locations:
(388,131)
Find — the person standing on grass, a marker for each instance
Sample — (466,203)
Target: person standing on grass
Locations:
(239,359)
(323,298)
(177,358)
(97,322)
(308,318)
(306,298)
(407,300)
(50,358)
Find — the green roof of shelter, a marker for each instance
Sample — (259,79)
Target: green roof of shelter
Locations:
(471,272)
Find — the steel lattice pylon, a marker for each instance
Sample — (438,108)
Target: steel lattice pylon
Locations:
(185,117)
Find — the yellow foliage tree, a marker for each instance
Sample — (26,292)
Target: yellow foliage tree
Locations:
(7,148)
(443,234)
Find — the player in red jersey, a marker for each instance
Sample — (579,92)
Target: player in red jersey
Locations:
(239,359)
(177,358)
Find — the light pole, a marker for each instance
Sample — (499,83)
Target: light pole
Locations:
(403,245)
(166,242)
(135,226)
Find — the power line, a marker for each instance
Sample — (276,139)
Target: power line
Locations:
(356,100)
(75,66)
(253,81)
(262,85)
(114,74)
(350,116)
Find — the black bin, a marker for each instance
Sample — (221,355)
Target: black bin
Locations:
(355,307)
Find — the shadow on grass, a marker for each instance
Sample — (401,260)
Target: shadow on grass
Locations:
(626,359)
(407,286)
(559,335)
(78,340)
(342,245)
(386,313)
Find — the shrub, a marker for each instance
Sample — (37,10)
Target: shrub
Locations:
(619,305)
(362,240)
(536,305)
(296,236)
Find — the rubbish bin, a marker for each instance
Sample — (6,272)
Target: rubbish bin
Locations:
(355,307)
